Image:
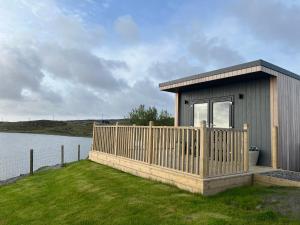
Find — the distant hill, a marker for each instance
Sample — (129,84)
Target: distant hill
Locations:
(81,128)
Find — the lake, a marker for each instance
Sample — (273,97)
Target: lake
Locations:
(15,151)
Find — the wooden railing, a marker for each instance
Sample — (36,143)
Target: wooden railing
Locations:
(197,150)
(227,151)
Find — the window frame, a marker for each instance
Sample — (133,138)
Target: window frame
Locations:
(201,101)
(231,109)
(210,102)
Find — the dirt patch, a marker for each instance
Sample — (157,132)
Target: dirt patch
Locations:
(285,202)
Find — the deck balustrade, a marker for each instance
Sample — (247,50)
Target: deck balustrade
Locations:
(202,151)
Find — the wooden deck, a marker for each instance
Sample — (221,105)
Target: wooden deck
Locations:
(193,158)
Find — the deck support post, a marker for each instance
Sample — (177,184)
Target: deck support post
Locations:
(274,147)
(204,154)
(150,143)
(116,138)
(246,148)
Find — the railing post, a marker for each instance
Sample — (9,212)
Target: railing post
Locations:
(150,143)
(204,154)
(274,147)
(246,147)
(31,162)
(78,152)
(62,156)
(93,141)
(116,138)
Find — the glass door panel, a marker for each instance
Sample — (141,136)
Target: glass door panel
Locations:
(200,113)
(221,114)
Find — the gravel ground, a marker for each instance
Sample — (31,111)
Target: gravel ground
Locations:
(284,174)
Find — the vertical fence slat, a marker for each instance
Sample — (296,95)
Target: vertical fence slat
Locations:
(154,130)
(197,150)
(238,151)
(227,152)
(101,133)
(232,157)
(178,150)
(159,146)
(202,151)
(224,152)
(174,148)
(192,151)
(182,148)
(98,139)
(187,151)
(116,138)
(166,147)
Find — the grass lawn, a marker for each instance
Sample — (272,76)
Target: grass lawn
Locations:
(89,193)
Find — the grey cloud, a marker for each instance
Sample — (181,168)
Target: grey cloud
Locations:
(56,49)
(272,21)
(71,33)
(50,95)
(83,67)
(173,69)
(142,92)
(78,99)
(213,51)
(19,70)
(126,27)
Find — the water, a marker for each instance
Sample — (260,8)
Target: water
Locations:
(15,148)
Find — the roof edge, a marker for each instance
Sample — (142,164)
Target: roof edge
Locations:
(255,63)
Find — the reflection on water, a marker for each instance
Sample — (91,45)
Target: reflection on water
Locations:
(14,151)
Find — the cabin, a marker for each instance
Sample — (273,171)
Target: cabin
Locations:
(258,93)
(219,115)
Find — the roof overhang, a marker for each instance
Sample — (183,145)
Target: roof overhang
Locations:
(229,72)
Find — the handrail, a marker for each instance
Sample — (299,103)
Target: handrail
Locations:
(207,152)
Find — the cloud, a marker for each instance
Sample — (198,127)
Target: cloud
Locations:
(82,67)
(126,27)
(142,92)
(275,22)
(214,51)
(55,59)
(19,70)
(173,69)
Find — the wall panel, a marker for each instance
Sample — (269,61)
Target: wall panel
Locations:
(253,109)
(289,122)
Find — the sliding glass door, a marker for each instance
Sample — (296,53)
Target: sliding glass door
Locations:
(222,114)
(200,113)
(217,112)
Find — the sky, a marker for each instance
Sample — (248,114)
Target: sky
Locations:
(80,59)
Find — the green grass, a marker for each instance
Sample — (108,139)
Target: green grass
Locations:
(89,193)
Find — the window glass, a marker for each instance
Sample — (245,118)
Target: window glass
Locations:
(200,113)
(222,114)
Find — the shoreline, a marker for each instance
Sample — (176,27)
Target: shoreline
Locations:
(44,133)
(21,176)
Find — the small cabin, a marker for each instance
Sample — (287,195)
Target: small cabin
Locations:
(261,94)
